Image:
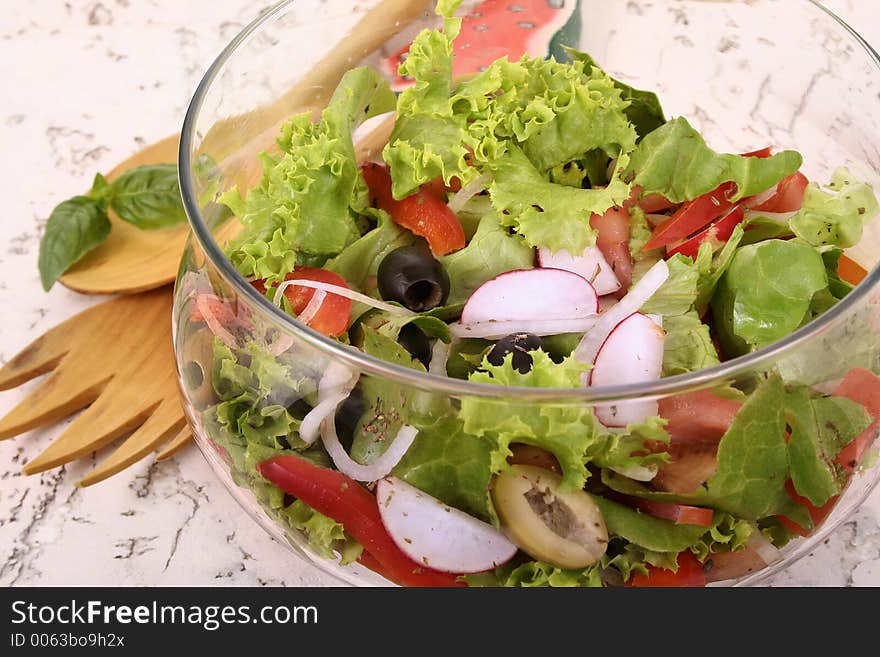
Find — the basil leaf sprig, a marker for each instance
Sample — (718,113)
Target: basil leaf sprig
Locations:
(147,197)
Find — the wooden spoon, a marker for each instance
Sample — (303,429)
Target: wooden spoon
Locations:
(134,260)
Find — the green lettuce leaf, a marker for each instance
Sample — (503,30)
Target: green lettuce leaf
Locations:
(646,531)
(679,292)
(712,272)
(451,465)
(644,110)
(305,204)
(766,293)
(688,345)
(571,433)
(820,428)
(563,430)
(534,574)
(491,251)
(836,217)
(359,261)
(546,214)
(325,535)
(675,162)
(753,458)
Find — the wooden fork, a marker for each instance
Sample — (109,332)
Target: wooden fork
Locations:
(116,358)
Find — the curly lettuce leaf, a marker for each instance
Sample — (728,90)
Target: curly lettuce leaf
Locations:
(836,217)
(711,273)
(675,162)
(766,293)
(644,110)
(326,536)
(491,251)
(305,205)
(820,428)
(547,214)
(678,293)
(536,574)
(571,433)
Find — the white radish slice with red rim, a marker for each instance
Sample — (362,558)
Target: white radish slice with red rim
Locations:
(539,327)
(528,294)
(594,338)
(632,353)
(436,535)
(591,265)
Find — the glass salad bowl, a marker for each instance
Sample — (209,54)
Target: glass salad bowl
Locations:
(251,373)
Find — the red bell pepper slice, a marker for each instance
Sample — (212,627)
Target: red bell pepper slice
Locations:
(344,500)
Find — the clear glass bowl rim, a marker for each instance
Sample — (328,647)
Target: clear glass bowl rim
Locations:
(456,387)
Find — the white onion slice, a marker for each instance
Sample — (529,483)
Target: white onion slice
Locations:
(342,292)
(466,193)
(335,385)
(281,343)
(656,219)
(439,356)
(595,336)
(380,467)
(762,547)
(637,472)
(213,323)
(760,199)
(308,313)
(539,327)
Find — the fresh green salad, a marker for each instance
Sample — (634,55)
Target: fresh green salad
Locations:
(536,224)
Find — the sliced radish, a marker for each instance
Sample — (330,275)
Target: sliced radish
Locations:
(436,535)
(540,327)
(528,294)
(632,353)
(591,264)
(648,284)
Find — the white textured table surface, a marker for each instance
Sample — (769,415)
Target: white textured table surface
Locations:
(85,84)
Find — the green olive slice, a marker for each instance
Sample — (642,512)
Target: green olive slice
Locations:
(563,529)
(196,363)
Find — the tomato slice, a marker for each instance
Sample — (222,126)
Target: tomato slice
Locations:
(850,271)
(220,310)
(861,386)
(789,196)
(613,242)
(680,514)
(529,455)
(650,203)
(693,216)
(698,417)
(690,573)
(344,500)
(424,213)
(763,152)
(717,232)
(333,314)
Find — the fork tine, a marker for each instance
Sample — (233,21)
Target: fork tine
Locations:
(62,394)
(100,424)
(180,440)
(39,357)
(162,424)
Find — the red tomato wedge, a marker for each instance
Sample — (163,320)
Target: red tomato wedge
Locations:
(861,386)
(692,217)
(698,417)
(763,152)
(424,213)
(789,196)
(344,500)
(716,233)
(528,455)
(613,242)
(680,514)
(850,271)
(650,203)
(690,573)
(333,314)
